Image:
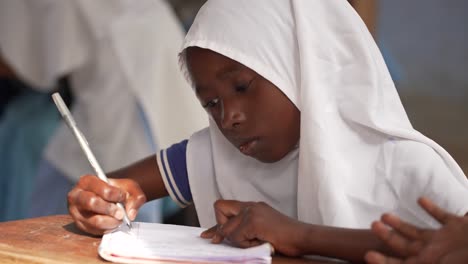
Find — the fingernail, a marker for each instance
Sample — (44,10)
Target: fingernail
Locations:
(119,214)
(204,234)
(132,214)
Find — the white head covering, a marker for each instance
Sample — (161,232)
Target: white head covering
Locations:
(121,59)
(321,55)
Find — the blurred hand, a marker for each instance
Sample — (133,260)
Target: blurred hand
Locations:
(449,244)
(91,203)
(247,224)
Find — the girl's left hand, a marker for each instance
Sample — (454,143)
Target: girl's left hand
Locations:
(247,224)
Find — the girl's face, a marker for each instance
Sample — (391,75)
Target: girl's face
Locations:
(251,112)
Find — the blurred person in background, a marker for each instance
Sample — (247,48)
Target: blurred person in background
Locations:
(128,96)
(7,87)
(27,120)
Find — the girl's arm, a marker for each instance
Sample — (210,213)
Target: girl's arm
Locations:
(146,173)
(447,244)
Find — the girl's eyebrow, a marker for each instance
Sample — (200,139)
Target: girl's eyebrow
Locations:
(222,74)
(227,71)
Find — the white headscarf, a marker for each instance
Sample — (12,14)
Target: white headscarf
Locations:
(321,55)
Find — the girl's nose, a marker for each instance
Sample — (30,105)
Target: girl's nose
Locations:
(232,114)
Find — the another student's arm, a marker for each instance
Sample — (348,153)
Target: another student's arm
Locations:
(448,244)
(247,224)
(342,243)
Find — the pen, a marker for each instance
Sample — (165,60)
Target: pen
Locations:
(66,115)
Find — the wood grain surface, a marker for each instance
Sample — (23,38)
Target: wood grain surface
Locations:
(55,239)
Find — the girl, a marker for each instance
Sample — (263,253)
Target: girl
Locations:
(308,141)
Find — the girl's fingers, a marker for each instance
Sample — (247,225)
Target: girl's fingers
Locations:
(90,202)
(104,190)
(209,233)
(456,256)
(408,230)
(229,215)
(374,257)
(229,227)
(93,203)
(217,237)
(438,213)
(133,204)
(225,209)
(244,236)
(93,223)
(396,241)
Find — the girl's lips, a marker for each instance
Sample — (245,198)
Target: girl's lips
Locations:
(248,147)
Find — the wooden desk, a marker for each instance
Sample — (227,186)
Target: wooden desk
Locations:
(55,239)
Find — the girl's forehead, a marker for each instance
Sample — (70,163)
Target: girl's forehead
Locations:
(210,56)
(205,61)
(205,68)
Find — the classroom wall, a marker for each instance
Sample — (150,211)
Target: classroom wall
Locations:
(428,41)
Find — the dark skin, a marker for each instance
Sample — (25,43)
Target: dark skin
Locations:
(5,69)
(242,103)
(446,245)
(91,202)
(367,10)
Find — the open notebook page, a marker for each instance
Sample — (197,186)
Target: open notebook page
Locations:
(156,243)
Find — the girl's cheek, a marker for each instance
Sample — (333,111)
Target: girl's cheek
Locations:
(214,113)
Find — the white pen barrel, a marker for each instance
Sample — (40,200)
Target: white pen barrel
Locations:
(63,109)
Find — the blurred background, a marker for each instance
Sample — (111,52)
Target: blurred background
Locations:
(425,45)
(428,40)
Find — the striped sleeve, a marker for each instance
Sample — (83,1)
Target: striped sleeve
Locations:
(172,164)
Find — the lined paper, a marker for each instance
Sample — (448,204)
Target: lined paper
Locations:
(159,243)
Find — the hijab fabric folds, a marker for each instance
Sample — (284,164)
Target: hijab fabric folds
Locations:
(321,55)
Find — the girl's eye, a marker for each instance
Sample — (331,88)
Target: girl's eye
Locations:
(211,104)
(243,87)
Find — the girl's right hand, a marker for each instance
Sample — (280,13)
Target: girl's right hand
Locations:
(92,203)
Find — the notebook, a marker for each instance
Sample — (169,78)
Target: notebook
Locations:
(162,243)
